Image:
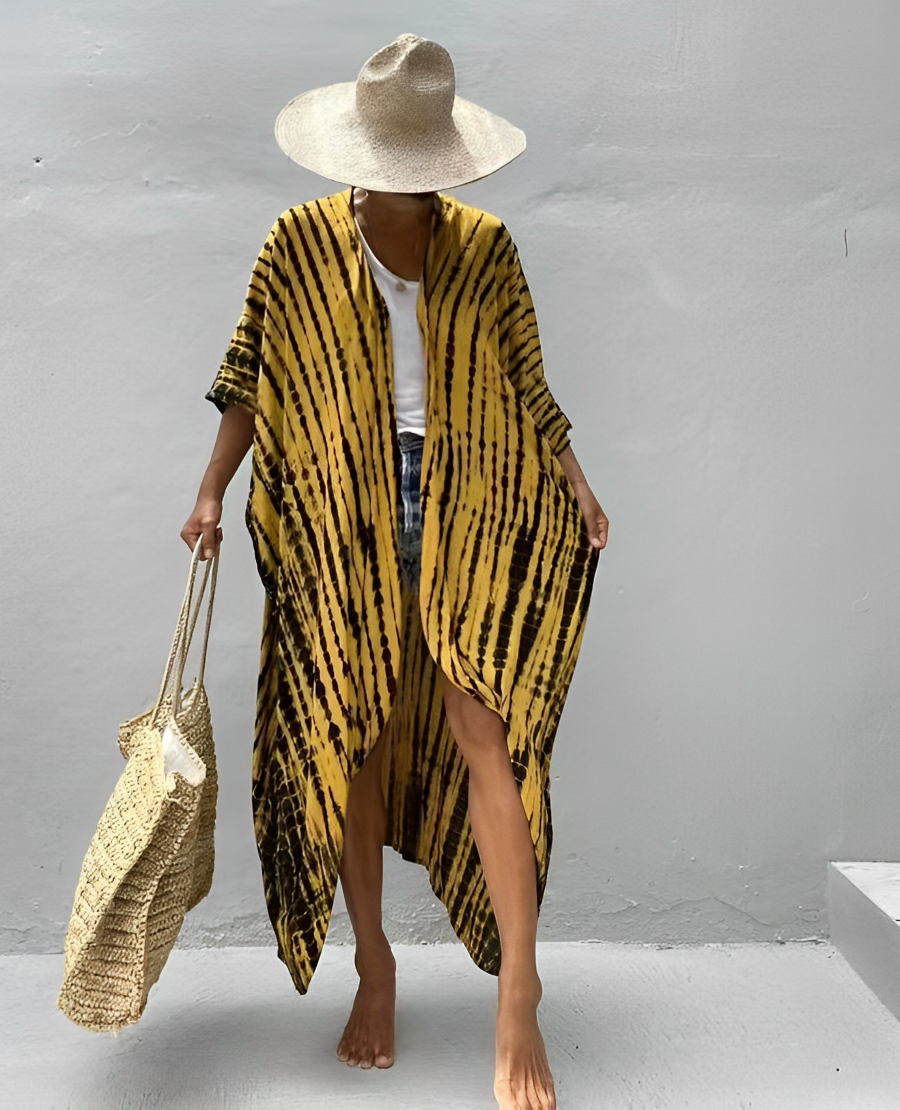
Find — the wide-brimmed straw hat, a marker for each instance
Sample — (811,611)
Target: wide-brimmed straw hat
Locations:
(399,127)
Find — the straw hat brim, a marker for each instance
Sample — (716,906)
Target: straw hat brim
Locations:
(322,131)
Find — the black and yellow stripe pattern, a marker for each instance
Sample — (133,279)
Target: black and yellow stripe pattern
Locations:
(347,651)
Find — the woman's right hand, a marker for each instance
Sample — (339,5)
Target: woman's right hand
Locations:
(204,521)
(234,439)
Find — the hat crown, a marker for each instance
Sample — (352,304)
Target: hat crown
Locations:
(408,85)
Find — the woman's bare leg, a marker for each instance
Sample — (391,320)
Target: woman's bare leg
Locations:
(368,1037)
(522,1079)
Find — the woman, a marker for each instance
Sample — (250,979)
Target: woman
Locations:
(426,539)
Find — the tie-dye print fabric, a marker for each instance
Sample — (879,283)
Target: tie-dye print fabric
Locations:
(347,650)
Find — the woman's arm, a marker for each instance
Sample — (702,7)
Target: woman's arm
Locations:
(520,354)
(520,349)
(595,518)
(236,429)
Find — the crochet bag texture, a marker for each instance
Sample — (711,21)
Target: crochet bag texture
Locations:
(151,857)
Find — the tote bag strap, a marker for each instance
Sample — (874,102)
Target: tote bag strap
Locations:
(180,630)
(184,632)
(212,564)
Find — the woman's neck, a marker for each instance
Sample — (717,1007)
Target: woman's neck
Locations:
(397,227)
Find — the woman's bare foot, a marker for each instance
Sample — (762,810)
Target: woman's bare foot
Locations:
(522,1079)
(368,1036)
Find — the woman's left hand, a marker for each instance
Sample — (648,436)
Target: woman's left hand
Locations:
(594,517)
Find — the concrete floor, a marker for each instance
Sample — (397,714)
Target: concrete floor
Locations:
(718,1027)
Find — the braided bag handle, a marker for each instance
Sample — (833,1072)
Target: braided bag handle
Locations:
(184,632)
(212,565)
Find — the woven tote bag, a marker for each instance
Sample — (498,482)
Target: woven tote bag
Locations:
(151,857)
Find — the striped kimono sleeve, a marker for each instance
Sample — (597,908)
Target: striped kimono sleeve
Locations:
(520,351)
(238,375)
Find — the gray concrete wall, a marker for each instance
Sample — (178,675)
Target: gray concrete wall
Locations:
(709,215)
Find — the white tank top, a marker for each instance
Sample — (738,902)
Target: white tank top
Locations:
(400,297)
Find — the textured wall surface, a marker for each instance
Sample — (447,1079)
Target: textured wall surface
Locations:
(709,215)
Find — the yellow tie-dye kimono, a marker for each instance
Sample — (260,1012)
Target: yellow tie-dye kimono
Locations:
(347,649)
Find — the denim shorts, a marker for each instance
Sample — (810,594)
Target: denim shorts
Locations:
(410,520)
